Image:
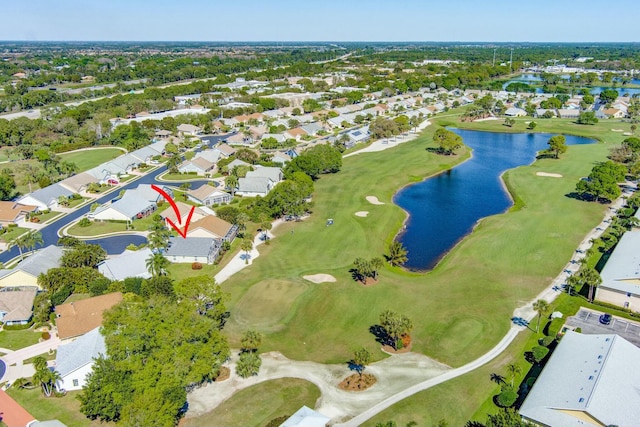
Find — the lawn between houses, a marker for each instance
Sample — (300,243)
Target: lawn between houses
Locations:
(462,308)
(90,158)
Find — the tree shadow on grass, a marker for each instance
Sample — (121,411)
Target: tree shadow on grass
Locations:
(381,335)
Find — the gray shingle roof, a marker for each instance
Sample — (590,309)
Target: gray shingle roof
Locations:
(42,260)
(594,374)
(273,173)
(191,246)
(127,264)
(145,152)
(80,352)
(52,192)
(254,185)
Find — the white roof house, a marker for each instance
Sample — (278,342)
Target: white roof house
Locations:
(589,381)
(273,173)
(135,203)
(74,361)
(621,274)
(306,417)
(127,264)
(254,186)
(26,272)
(46,198)
(515,112)
(192,249)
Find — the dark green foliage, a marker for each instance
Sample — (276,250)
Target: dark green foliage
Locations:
(248,365)
(608,96)
(448,142)
(83,255)
(69,241)
(157,286)
(251,341)
(133,284)
(506,418)
(228,213)
(99,286)
(557,144)
(546,341)
(67,280)
(587,118)
(602,182)
(539,353)
(315,161)
(7,186)
(156,350)
(507,398)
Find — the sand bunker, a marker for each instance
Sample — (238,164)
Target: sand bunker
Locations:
(551,175)
(320,278)
(617,130)
(627,134)
(374,200)
(362,214)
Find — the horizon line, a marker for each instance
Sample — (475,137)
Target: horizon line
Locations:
(314,41)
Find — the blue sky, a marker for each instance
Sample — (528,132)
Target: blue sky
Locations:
(323,20)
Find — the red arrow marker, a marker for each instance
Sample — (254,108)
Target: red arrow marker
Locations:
(164,194)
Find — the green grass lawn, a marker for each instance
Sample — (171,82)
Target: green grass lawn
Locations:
(14,340)
(180,177)
(91,158)
(12,233)
(65,409)
(97,228)
(50,215)
(259,404)
(461,308)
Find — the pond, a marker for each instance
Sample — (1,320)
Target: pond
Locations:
(443,209)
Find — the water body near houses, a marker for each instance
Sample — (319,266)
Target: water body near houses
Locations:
(443,209)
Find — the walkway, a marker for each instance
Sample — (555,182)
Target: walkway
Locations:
(386,143)
(14,359)
(240,260)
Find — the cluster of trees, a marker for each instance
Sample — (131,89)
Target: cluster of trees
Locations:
(152,362)
(365,268)
(383,127)
(315,161)
(448,142)
(396,327)
(249,363)
(602,182)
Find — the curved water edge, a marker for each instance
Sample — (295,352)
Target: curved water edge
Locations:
(446,207)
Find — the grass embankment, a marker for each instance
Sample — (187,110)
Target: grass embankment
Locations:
(462,308)
(90,158)
(259,404)
(65,409)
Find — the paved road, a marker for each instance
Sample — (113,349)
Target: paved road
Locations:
(113,245)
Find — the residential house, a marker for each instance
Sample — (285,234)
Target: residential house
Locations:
(74,360)
(16,305)
(134,204)
(78,183)
(240,138)
(46,198)
(186,129)
(540,112)
(213,227)
(295,133)
(252,187)
(306,417)
(341,120)
(209,196)
(162,134)
(568,113)
(281,158)
(614,113)
(273,173)
(79,317)
(14,213)
(121,165)
(26,272)
(185,211)
(589,380)
(127,264)
(225,150)
(515,112)
(187,99)
(145,154)
(357,136)
(198,165)
(258,117)
(192,249)
(236,163)
(621,274)
(312,128)
(279,137)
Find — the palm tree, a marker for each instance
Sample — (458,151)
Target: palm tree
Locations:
(397,254)
(157,264)
(376,264)
(591,277)
(246,245)
(513,369)
(541,307)
(27,241)
(232,183)
(45,376)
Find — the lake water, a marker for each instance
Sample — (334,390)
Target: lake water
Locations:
(444,208)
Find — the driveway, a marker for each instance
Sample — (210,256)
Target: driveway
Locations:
(588,321)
